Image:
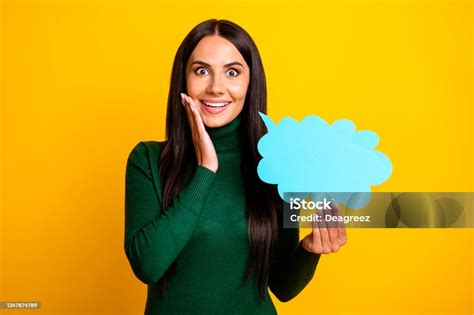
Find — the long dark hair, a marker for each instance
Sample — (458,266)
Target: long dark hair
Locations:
(178,159)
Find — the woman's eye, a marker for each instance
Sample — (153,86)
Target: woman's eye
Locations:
(233,73)
(201,71)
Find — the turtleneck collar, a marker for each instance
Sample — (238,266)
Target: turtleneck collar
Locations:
(227,137)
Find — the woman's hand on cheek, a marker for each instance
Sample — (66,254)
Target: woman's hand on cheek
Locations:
(205,152)
(326,237)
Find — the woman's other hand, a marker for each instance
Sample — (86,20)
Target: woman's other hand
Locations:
(326,237)
(205,151)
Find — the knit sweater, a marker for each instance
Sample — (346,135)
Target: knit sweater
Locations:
(205,231)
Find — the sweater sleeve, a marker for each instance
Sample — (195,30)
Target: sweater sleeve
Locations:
(292,267)
(154,238)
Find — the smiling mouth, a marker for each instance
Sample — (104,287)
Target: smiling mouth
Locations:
(215,104)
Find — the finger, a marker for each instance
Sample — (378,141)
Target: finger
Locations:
(197,115)
(192,126)
(332,229)
(192,106)
(341,227)
(307,243)
(182,99)
(317,243)
(192,113)
(185,103)
(199,129)
(325,240)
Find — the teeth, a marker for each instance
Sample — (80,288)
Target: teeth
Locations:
(216,104)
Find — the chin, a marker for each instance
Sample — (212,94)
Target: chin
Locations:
(214,123)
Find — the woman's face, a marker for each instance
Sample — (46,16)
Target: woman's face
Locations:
(217,78)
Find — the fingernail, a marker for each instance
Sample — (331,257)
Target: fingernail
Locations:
(182,96)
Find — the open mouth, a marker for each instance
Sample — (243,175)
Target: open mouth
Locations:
(215,104)
(215,107)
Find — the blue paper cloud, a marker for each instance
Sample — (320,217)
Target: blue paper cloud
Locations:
(313,156)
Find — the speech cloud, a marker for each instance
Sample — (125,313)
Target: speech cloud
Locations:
(315,157)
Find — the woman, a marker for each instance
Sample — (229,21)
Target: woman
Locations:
(201,229)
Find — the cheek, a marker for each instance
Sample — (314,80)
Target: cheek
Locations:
(238,90)
(194,86)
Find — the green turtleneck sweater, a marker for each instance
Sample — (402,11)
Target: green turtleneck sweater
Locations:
(205,231)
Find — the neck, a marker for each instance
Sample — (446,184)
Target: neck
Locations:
(227,137)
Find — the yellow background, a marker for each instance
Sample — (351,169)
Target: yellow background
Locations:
(84,81)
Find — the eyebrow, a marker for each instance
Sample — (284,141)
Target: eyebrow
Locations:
(227,65)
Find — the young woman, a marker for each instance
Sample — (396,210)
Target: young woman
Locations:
(201,229)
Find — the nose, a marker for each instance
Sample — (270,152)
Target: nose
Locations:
(215,86)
